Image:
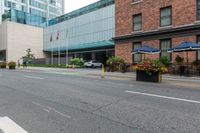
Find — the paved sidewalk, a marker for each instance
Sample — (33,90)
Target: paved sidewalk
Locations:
(97,72)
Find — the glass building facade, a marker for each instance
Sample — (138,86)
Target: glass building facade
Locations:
(84,33)
(24,18)
(47,9)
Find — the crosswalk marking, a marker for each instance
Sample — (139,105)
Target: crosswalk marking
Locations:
(9,126)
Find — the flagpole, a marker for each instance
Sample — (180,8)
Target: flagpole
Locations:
(67,58)
(59,54)
(51,49)
(58,45)
(51,54)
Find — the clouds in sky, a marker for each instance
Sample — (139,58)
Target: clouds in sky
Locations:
(71,5)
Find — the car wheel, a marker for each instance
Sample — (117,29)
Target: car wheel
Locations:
(92,66)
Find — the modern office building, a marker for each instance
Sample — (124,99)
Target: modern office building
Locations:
(158,23)
(16,38)
(85,33)
(47,9)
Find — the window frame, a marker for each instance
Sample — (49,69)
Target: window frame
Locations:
(197,9)
(198,51)
(133,56)
(161,16)
(170,40)
(139,14)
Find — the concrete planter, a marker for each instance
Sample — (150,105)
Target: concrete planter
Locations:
(153,77)
(3,67)
(12,67)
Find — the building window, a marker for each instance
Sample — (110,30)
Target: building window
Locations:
(198,52)
(137,22)
(198,9)
(164,46)
(135,1)
(137,57)
(166,16)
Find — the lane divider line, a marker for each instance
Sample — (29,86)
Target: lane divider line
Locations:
(33,77)
(49,109)
(164,97)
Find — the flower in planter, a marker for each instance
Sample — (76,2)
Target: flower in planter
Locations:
(150,66)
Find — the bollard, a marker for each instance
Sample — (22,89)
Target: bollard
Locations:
(103,72)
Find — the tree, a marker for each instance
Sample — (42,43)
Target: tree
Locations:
(29,56)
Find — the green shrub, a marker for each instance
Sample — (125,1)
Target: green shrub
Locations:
(12,64)
(115,60)
(165,61)
(116,64)
(179,60)
(77,62)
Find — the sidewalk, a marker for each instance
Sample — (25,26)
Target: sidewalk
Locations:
(97,72)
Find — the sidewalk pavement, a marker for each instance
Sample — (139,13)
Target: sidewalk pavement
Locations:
(97,72)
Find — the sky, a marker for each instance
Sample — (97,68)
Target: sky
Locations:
(71,5)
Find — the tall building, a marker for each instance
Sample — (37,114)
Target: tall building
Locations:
(47,9)
(158,23)
(84,33)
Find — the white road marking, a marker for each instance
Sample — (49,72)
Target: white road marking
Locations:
(33,77)
(48,109)
(164,97)
(183,80)
(9,126)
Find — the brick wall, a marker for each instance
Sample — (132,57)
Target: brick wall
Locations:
(183,13)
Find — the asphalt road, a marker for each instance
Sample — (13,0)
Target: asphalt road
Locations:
(55,103)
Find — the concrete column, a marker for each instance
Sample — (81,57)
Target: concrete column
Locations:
(93,55)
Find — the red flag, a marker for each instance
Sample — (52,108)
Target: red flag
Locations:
(57,38)
(51,38)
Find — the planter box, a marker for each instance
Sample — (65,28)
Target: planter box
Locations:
(12,67)
(143,76)
(2,67)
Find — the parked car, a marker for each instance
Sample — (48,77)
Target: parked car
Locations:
(92,63)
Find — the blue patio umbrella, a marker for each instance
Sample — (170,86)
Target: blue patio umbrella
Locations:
(146,50)
(185,47)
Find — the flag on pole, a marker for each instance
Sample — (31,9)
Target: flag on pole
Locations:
(58,34)
(51,38)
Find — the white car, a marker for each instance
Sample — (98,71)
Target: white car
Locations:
(92,63)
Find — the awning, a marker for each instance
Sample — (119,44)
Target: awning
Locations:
(83,47)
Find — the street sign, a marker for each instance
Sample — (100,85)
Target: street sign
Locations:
(9,126)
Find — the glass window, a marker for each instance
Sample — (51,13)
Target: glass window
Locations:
(198,9)
(164,46)
(165,16)
(137,22)
(137,57)
(198,52)
(136,0)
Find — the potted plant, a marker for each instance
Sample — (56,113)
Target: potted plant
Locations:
(179,60)
(12,65)
(116,64)
(3,64)
(150,71)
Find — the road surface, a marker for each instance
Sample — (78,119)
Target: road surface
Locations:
(54,103)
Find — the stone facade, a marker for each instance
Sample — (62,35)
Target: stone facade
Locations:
(17,38)
(183,15)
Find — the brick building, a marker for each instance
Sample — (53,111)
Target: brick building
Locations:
(158,23)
